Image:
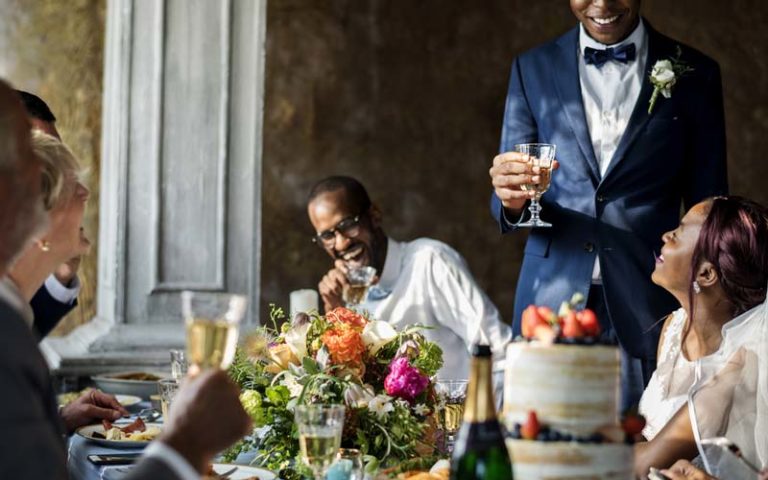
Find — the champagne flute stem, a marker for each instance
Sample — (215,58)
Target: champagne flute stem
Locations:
(534,208)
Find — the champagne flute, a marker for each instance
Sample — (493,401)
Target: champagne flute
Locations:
(451,396)
(213,321)
(320,429)
(541,155)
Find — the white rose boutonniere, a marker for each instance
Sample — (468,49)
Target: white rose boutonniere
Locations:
(664,76)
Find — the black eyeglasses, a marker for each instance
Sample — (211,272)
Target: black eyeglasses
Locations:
(349,227)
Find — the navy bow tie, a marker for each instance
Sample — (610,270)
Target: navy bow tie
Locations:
(623,54)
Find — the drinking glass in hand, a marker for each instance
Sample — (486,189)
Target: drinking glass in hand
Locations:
(451,395)
(541,155)
(359,278)
(319,429)
(213,321)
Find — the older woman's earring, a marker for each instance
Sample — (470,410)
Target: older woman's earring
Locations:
(696,287)
(45,246)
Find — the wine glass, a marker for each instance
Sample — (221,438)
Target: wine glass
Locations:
(451,395)
(541,155)
(213,322)
(319,435)
(359,278)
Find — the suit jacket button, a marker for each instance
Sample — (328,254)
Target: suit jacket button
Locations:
(589,247)
(600,198)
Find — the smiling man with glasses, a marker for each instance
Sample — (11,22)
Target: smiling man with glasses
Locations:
(422,281)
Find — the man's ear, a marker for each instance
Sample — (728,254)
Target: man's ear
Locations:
(375,215)
(707,275)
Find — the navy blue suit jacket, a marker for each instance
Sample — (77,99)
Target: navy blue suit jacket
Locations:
(48,311)
(671,157)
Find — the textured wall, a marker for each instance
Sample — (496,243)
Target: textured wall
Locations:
(408,96)
(55,49)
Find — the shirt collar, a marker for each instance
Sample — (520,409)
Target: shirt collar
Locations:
(393,264)
(637,37)
(11,294)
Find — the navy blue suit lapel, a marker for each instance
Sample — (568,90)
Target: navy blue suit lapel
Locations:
(658,48)
(566,74)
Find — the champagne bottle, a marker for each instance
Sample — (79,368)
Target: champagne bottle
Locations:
(480,452)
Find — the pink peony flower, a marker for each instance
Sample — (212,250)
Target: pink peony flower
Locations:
(404,381)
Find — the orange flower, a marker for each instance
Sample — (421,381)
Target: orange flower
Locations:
(344,344)
(346,316)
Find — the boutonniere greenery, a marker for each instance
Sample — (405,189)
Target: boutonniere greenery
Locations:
(664,76)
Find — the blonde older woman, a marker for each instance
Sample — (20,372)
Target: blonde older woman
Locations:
(64,199)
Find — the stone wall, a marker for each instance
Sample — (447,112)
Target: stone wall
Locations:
(408,96)
(55,49)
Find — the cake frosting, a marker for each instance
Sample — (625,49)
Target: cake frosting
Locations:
(573,390)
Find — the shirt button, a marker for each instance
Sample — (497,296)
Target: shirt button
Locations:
(589,247)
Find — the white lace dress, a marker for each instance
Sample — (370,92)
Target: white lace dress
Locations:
(667,390)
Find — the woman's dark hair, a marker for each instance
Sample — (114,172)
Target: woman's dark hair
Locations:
(734,239)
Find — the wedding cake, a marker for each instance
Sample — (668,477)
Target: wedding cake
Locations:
(561,399)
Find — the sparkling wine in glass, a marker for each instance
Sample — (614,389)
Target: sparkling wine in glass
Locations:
(541,155)
(213,322)
(451,396)
(359,278)
(319,429)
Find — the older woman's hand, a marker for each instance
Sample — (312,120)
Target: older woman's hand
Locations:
(91,407)
(684,470)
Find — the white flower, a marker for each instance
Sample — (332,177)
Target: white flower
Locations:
(296,339)
(377,334)
(358,395)
(294,387)
(381,405)
(421,410)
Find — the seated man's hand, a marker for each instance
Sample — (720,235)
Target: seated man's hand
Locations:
(331,287)
(91,407)
(206,417)
(684,470)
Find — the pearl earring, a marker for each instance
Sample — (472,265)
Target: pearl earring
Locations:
(696,287)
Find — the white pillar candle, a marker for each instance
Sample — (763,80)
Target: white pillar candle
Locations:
(303,301)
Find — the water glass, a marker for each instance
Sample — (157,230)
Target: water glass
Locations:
(320,429)
(213,322)
(167,387)
(353,459)
(178,364)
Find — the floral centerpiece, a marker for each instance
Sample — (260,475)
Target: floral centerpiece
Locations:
(382,376)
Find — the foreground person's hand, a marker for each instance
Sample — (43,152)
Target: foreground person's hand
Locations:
(91,407)
(511,170)
(684,470)
(206,417)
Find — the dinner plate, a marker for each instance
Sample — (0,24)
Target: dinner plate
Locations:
(87,433)
(243,472)
(115,383)
(128,400)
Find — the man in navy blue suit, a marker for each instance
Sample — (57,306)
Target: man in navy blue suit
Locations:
(624,174)
(59,294)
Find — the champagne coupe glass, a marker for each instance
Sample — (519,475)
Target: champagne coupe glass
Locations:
(213,322)
(320,429)
(359,278)
(451,395)
(541,155)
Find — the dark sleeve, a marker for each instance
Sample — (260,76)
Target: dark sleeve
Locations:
(706,167)
(48,311)
(519,127)
(151,467)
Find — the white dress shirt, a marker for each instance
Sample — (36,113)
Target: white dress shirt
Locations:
(60,292)
(429,283)
(609,94)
